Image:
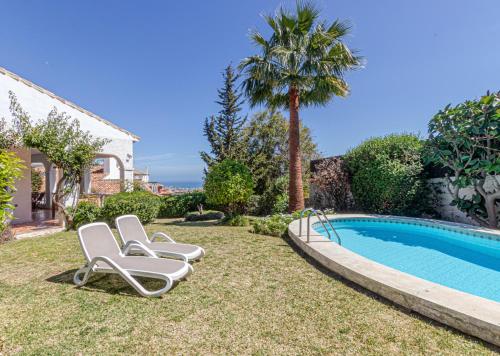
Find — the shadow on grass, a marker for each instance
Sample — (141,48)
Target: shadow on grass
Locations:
(381,299)
(188,223)
(108,283)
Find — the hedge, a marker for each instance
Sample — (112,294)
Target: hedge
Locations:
(209,215)
(177,206)
(86,213)
(143,204)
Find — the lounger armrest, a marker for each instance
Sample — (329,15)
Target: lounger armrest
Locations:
(161,235)
(133,244)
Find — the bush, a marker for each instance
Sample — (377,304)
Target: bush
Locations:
(176,206)
(229,185)
(36,181)
(387,175)
(296,214)
(253,204)
(274,200)
(143,204)
(209,215)
(280,204)
(236,220)
(6,234)
(330,185)
(274,225)
(10,171)
(85,213)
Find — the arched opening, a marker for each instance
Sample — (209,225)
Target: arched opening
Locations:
(105,177)
(44,178)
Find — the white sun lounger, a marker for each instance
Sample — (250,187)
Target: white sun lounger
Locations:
(131,229)
(103,255)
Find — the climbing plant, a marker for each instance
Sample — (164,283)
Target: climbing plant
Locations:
(66,145)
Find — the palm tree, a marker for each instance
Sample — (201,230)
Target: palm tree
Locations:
(303,63)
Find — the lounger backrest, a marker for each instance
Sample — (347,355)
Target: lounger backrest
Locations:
(130,228)
(97,239)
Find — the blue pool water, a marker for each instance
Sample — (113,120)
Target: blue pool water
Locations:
(468,263)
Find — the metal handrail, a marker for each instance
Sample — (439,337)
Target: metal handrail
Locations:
(331,226)
(319,214)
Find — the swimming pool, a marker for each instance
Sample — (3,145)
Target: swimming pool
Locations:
(453,257)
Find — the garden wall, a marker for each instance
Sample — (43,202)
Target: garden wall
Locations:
(443,198)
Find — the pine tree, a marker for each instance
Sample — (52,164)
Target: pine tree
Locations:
(224,131)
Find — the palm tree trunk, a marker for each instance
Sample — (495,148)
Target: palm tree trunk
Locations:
(295,191)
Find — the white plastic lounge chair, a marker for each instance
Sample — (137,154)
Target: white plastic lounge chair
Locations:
(131,229)
(103,255)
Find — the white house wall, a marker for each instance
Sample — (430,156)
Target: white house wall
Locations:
(124,151)
(38,102)
(111,168)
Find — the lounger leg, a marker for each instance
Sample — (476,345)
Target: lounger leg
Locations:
(88,269)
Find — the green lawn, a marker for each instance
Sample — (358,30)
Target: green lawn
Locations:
(251,294)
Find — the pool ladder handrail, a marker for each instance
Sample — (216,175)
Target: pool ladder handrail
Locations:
(319,214)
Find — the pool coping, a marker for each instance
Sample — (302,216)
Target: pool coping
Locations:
(468,313)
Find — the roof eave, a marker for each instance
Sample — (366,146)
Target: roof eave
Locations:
(14,76)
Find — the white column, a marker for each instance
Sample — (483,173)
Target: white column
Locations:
(86,182)
(48,192)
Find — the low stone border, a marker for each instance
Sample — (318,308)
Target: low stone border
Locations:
(468,313)
(39,233)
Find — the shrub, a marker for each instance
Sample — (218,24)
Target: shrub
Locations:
(236,220)
(274,225)
(6,235)
(10,170)
(177,206)
(138,186)
(387,175)
(209,215)
(330,185)
(296,215)
(36,181)
(143,204)
(229,185)
(280,204)
(253,204)
(275,198)
(85,213)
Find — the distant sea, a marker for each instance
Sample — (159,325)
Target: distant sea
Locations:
(183,184)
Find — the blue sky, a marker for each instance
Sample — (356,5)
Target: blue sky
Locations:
(153,67)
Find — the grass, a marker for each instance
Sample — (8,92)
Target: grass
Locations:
(251,294)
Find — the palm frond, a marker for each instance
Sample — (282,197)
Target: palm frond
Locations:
(301,52)
(259,40)
(271,22)
(339,29)
(307,14)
